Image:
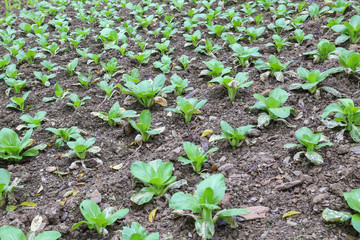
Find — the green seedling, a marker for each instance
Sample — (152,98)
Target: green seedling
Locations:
(59,94)
(109,89)
(64,135)
(146,21)
(164,64)
(30,55)
(340,6)
(156,176)
(192,39)
(143,44)
(143,127)
(187,107)
(121,48)
(147,92)
(184,60)
(97,219)
(273,67)
(280,25)
(254,33)
(248,8)
(216,29)
(217,68)
(235,136)
(44,78)
(136,231)
(315,12)
(266,4)
(277,97)
(349,30)
(133,77)
(109,37)
(10,232)
(300,36)
(353,201)
(49,65)
(15,85)
(84,80)
(279,43)
(82,53)
(168,32)
(180,85)
(243,54)
(81,146)
(334,21)
(313,78)
(206,198)
(141,57)
(280,11)
(76,101)
(350,60)
(12,149)
(115,115)
(258,19)
(346,115)
(26,27)
(32,122)
(163,47)
(53,48)
(10,72)
(208,49)
(4,61)
(5,186)
(311,142)
(230,38)
(75,41)
(178,5)
(298,21)
(93,57)
(19,102)
(70,68)
(233,84)
(325,48)
(196,156)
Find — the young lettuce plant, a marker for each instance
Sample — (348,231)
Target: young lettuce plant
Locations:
(206,198)
(84,80)
(5,186)
(19,102)
(350,60)
(147,92)
(184,60)
(277,97)
(274,66)
(187,107)
(325,48)
(115,115)
(315,12)
(254,33)
(133,77)
(76,101)
(216,67)
(109,89)
(192,39)
(311,142)
(110,67)
(136,231)
(143,127)
(30,55)
(59,94)
(353,200)
(81,146)
(97,219)
(32,122)
(346,115)
(349,30)
(164,64)
(243,54)
(313,78)
(64,135)
(235,136)
(300,36)
(208,49)
(196,156)
(11,147)
(156,176)
(233,84)
(45,79)
(10,232)
(15,85)
(180,85)
(141,57)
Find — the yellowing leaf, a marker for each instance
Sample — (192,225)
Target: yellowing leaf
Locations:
(36,223)
(40,190)
(79,176)
(206,132)
(72,192)
(291,213)
(62,203)
(134,142)
(28,204)
(117,167)
(211,84)
(152,215)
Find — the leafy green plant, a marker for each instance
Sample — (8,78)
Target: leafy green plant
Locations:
(315,12)
(208,49)
(59,94)
(254,33)
(184,60)
(180,85)
(311,142)
(93,57)
(243,54)
(64,135)
(4,61)
(30,55)
(164,64)
(300,36)
(346,115)
(115,114)
(207,196)
(15,85)
(353,200)
(280,25)
(141,57)
(235,136)
(234,84)
(11,147)
(143,127)
(136,231)
(44,78)
(49,65)
(350,60)
(5,186)
(273,67)
(146,91)
(313,78)
(81,146)
(33,122)
(109,89)
(298,21)
(97,219)
(325,48)
(19,102)
(216,67)
(279,43)
(10,232)
(133,77)
(10,72)
(76,101)
(109,37)
(192,39)
(277,97)
(334,21)
(156,176)
(349,30)
(163,47)
(187,107)
(70,68)
(196,156)
(340,6)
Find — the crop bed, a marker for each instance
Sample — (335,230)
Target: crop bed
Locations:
(262,174)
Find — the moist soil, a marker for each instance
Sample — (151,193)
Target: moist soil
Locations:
(252,173)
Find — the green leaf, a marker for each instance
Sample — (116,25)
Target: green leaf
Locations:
(143,196)
(353,199)
(355,222)
(182,201)
(232,212)
(11,233)
(48,235)
(217,183)
(117,215)
(90,210)
(335,216)
(314,157)
(355,133)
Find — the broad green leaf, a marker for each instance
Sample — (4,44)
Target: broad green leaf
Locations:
(182,201)
(335,216)
(217,183)
(11,233)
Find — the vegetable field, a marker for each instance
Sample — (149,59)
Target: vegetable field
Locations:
(180,119)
